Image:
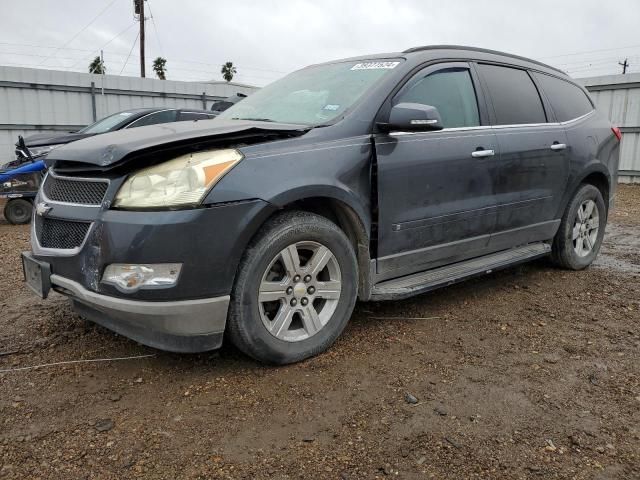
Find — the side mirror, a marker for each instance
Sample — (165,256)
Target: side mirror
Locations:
(413,117)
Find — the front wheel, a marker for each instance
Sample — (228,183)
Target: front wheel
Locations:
(18,211)
(295,289)
(581,231)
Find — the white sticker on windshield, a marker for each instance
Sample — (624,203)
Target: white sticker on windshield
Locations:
(375,65)
(332,107)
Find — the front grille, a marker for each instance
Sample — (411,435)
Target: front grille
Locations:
(63,234)
(71,190)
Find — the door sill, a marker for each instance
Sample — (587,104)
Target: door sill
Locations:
(422,282)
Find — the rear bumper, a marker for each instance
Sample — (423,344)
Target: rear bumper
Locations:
(177,326)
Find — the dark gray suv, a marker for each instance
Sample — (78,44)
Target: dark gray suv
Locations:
(372,178)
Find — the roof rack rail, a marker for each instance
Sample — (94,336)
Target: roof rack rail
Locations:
(482,50)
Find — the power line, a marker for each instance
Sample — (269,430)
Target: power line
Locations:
(214,65)
(82,30)
(132,47)
(155,29)
(591,51)
(102,48)
(595,61)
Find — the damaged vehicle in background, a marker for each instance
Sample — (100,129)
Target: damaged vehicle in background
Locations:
(372,178)
(39,145)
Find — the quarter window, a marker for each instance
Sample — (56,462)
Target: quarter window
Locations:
(451,92)
(567,100)
(514,95)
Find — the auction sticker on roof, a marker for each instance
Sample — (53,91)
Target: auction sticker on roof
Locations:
(375,66)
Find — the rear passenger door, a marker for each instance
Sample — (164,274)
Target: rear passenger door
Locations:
(534,166)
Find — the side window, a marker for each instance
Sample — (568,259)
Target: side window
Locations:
(165,116)
(567,100)
(451,92)
(514,95)
(193,116)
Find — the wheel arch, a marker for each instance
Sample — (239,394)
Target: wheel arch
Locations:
(337,206)
(595,174)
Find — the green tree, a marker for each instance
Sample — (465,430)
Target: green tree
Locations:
(228,71)
(97,66)
(160,67)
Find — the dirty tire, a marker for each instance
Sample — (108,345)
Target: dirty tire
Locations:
(247,327)
(18,211)
(564,252)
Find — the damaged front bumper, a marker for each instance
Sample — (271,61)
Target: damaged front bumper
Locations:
(190,316)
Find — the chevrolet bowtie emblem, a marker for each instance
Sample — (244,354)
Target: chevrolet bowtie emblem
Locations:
(42,209)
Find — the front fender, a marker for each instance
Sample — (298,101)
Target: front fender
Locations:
(340,172)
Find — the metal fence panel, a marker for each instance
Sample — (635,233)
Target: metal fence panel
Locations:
(45,101)
(619,97)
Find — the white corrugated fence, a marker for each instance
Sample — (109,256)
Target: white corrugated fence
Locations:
(619,97)
(45,101)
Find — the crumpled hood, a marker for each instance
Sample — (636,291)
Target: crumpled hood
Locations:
(110,148)
(41,139)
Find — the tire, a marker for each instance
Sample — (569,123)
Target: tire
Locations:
(18,211)
(578,253)
(268,319)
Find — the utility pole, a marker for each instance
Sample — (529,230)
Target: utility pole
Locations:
(138,6)
(624,65)
(142,38)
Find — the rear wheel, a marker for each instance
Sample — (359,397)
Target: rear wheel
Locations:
(18,211)
(581,231)
(295,289)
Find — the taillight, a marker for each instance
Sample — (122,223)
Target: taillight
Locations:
(616,131)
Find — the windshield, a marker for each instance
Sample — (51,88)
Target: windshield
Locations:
(313,95)
(107,123)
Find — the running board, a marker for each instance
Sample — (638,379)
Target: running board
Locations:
(441,277)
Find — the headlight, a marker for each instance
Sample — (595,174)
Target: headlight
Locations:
(43,150)
(182,181)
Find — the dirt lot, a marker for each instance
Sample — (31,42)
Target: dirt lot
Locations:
(532,372)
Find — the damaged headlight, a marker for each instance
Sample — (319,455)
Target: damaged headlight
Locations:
(43,150)
(182,181)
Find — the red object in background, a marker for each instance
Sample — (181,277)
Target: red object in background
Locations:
(616,131)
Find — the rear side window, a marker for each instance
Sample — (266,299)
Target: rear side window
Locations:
(451,92)
(514,95)
(567,100)
(165,116)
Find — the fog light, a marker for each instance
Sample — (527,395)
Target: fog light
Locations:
(131,277)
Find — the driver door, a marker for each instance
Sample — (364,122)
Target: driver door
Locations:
(436,189)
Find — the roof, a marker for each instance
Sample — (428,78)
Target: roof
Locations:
(481,54)
(480,50)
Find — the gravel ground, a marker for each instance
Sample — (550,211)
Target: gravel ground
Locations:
(532,372)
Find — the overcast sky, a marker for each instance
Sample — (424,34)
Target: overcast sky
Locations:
(266,39)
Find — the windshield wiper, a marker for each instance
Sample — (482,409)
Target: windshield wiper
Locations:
(254,119)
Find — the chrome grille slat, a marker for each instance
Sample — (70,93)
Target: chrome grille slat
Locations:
(72,190)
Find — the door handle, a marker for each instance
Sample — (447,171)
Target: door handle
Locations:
(482,153)
(558,146)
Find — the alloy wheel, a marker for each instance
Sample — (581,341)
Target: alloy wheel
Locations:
(585,228)
(299,291)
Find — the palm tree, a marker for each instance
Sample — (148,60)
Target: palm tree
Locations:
(97,66)
(228,71)
(160,67)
